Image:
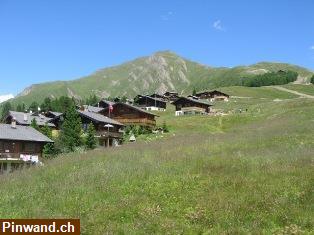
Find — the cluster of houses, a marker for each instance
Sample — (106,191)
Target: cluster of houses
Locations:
(21,145)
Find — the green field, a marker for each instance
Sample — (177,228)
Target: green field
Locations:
(243,173)
(306,89)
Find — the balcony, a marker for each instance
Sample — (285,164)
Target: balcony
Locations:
(137,121)
(105,134)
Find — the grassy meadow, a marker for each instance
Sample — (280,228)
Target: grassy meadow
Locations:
(248,172)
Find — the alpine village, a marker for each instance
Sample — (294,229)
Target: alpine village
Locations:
(29,135)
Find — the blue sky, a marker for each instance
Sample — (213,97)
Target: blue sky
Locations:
(66,39)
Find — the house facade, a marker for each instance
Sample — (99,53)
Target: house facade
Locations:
(20,146)
(213,95)
(131,115)
(185,106)
(149,103)
(109,132)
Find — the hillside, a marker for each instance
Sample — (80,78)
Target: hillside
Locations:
(156,73)
(244,173)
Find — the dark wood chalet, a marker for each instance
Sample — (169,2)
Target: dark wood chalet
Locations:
(107,129)
(105,104)
(213,95)
(20,146)
(171,95)
(56,118)
(25,119)
(158,96)
(185,105)
(131,115)
(150,103)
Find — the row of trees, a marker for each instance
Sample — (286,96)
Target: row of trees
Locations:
(269,79)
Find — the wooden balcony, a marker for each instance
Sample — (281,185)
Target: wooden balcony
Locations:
(137,121)
(104,134)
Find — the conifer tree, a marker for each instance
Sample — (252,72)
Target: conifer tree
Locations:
(90,141)
(5,110)
(34,124)
(71,129)
(312,79)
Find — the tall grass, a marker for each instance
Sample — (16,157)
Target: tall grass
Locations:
(253,174)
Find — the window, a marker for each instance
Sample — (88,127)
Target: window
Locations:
(1,147)
(29,147)
(8,147)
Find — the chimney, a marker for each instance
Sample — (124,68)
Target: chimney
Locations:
(13,123)
(25,117)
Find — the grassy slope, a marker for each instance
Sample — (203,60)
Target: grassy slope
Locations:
(306,89)
(245,172)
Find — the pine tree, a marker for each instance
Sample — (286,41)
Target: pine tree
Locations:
(34,124)
(194,92)
(71,129)
(19,108)
(90,141)
(5,110)
(312,79)
(46,130)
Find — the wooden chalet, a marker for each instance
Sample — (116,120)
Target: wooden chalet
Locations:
(171,95)
(131,115)
(158,96)
(185,105)
(25,119)
(107,129)
(150,103)
(56,118)
(105,104)
(212,95)
(20,146)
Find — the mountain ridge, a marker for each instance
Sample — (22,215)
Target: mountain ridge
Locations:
(161,71)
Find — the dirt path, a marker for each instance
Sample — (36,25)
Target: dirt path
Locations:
(293,92)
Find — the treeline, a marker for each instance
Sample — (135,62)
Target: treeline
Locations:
(269,79)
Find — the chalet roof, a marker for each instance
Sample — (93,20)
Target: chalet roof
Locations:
(93,108)
(56,114)
(23,133)
(151,98)
(192,100)
(99,118)
(134,107)
(171,93)
(210,92)
(40,119)
(107,102)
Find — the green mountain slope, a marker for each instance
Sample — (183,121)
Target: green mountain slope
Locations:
(156,73)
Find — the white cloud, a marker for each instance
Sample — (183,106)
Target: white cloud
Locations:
(167,16)
(218,25)
(5,97)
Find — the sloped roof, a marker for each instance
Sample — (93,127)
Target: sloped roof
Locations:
(40,119)
(135,108)
(107,102)
(93,108)
(23,133)
(56,114)
(211,92)
(99,118)
(151,98)
(192,100)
